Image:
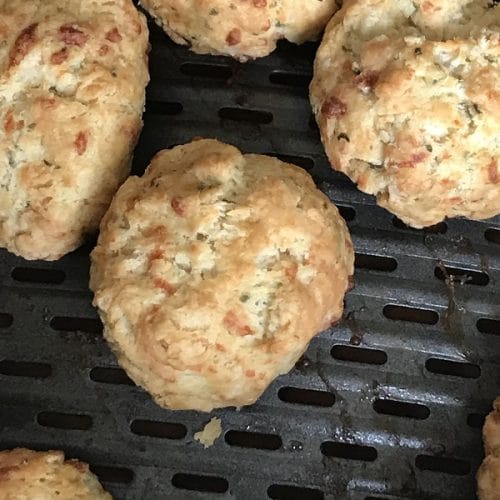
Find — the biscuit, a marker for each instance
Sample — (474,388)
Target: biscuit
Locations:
(72,80)
(28,474)
(213,272)
(488,476)
(243,29)
(407,98)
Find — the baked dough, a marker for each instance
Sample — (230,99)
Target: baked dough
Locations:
(407,98)
(37,475)
(213,272)
(72,80)
(488,476)
(244,29)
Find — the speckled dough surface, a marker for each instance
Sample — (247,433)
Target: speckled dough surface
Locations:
(488,476)
(72,79)
(35,475)
(243,29)
(213,272)
(407,98)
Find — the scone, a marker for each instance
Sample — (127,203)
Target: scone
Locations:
(213,272)
(72,80)
(407,98)
(488,476)
(243,29)
(35,475)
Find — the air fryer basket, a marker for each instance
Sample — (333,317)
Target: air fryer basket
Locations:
(387,405)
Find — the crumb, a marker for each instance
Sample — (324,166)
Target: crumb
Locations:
(210,432)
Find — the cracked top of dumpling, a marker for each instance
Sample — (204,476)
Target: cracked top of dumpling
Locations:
(213,272)
(407,98)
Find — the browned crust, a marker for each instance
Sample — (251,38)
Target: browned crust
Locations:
(213,272)
(33,474)
(408,104)
(241,29)
(70,114)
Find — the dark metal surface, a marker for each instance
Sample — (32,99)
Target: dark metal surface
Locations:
(387,405)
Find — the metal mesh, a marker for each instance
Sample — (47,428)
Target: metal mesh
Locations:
(387,405)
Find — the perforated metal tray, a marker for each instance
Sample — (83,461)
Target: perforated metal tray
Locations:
(387,405)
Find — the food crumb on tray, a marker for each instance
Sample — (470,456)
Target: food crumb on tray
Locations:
(210,432)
